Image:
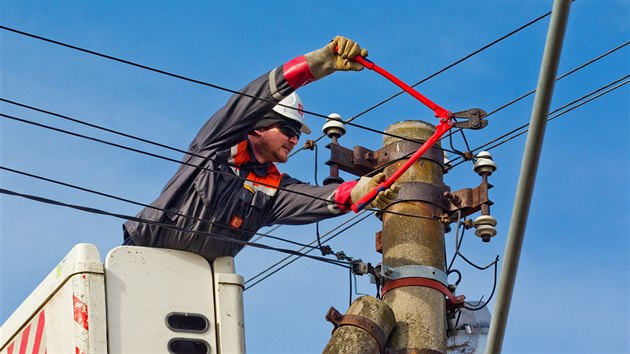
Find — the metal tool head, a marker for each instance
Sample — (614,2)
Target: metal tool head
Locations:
(474,118)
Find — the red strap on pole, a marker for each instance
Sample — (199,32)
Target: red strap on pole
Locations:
(453,302)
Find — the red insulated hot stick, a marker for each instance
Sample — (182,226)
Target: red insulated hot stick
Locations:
(444,126)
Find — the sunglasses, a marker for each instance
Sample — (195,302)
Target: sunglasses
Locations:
(289,131)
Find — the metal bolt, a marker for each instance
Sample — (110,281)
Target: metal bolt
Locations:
(456,200)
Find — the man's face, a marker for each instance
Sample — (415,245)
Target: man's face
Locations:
(275,143)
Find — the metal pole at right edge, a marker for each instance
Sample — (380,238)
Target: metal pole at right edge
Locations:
(527,178)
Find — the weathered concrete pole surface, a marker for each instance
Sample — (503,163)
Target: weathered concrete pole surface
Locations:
(420,311)
(350,339)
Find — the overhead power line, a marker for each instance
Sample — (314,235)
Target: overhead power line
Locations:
(182,151)
(111,196)
(569,107)
(167,226)
(29,122)
(565,109)
(599,57)
(185,78)
(464,58)
(570,72)
(269,269)
(82,136)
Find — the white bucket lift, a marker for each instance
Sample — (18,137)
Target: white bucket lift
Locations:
(139,300)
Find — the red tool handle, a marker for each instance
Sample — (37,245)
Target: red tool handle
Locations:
(440,130)
(439,111)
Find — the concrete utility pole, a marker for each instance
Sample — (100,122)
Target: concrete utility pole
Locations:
(415,247)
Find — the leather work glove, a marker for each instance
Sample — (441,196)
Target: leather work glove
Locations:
(366,184)
(326,60)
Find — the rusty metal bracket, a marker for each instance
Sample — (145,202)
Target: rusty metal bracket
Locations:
(337,319)
(452,301)
(469,200)
(360,161)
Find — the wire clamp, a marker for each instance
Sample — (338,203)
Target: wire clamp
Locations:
(413,271)
(359,267)
(452,301)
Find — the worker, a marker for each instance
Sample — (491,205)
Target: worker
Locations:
(229,184)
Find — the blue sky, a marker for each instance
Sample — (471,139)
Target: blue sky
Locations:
(571,292)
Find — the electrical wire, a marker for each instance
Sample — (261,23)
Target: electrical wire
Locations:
(595,94)
(297,254)
(460,154)
(494,287)
(195,219)
(463,257)
(570,72)
(82,136)
(120,146)
(268,269)
(464,58)
(195,81)
(223,88)
(98,127)
(163,72)
(525,95)
(304,246)
(312,113)
(167,226)
(159,71)
(458,244)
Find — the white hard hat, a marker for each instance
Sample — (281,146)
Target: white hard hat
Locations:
(294,110)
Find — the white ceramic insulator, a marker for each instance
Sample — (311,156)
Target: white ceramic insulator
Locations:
(484,163)
(334,125)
